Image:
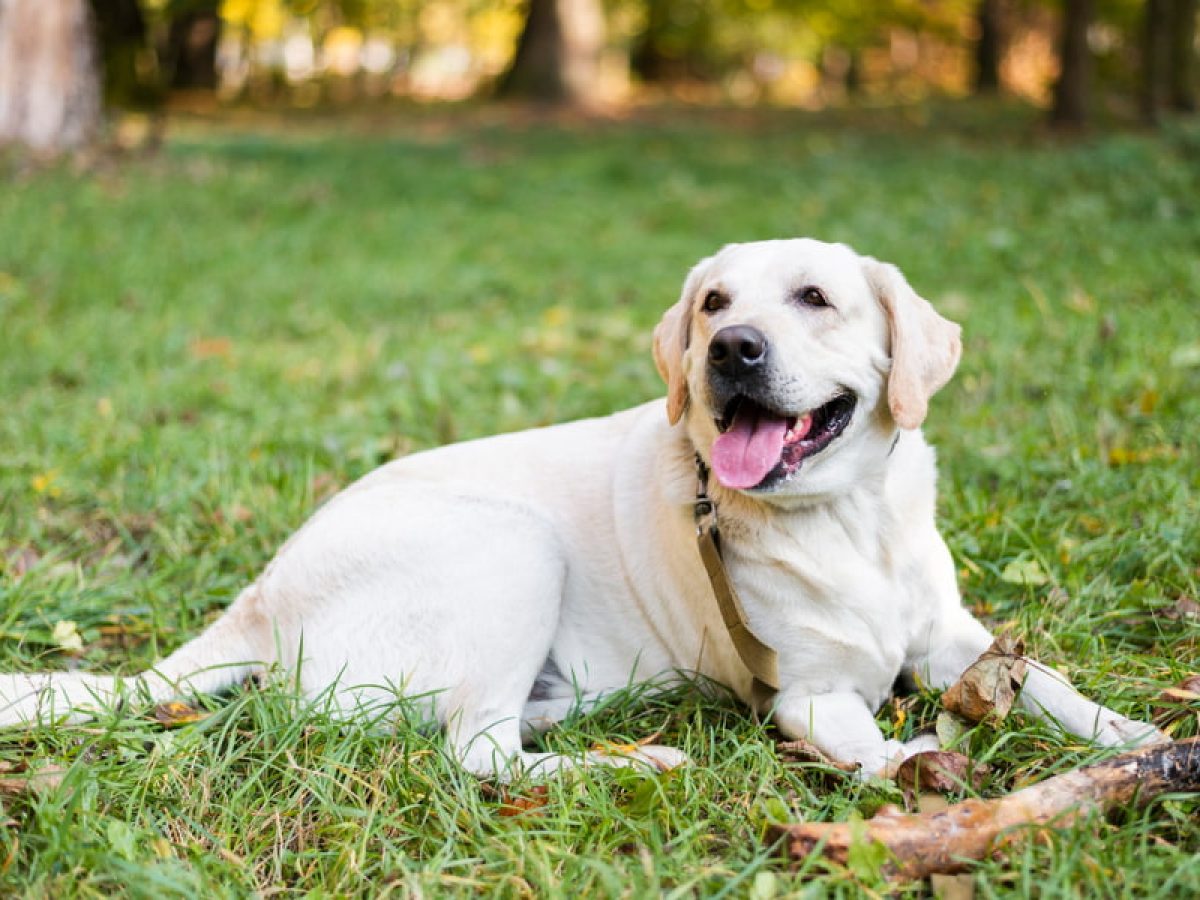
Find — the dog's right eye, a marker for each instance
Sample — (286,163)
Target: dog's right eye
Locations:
(714,301)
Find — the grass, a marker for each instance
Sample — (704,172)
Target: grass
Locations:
(199,346)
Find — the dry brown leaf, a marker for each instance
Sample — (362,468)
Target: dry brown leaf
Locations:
(209,348)
(931,803)
(952,887)
(989,686)
(1183,608)
(1174,703)
(804,752)
(509,805)
(176,713)
(37,781)
(942,771)
(19,560)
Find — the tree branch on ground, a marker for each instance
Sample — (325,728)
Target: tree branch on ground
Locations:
(948,840)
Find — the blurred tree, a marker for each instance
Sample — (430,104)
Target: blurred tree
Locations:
(1181,66)
(989,47)
(49,75)
(558,53)
(130,65)
(192,37)
(1072,90)
(676,41)
(1155,37)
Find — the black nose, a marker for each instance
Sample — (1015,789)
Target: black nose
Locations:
(737,349)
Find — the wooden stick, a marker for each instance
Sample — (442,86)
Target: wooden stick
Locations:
(948,840)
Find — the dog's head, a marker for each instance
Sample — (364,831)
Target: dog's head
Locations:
(794,361)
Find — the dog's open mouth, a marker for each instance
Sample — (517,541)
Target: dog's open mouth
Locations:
(756,442)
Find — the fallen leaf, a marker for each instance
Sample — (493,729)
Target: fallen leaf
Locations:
(20,560)
(509,804)
(210,348)
(804,752)
(1024,571)
(952,887)
(37,781)
(1184,607)
(1175,702)
(1123,456)
(45,483)
(942,771)
(988,688)
(931,803)
(66,636)
(950,729)
(177,713)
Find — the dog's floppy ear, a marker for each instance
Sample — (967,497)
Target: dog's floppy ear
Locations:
(671,338)
(925,347)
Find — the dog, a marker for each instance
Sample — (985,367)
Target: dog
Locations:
(506,582)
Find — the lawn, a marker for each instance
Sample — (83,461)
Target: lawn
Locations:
(198,347)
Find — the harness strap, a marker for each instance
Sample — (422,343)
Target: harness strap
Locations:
(756,656)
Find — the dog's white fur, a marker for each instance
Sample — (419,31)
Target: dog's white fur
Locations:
(508,580)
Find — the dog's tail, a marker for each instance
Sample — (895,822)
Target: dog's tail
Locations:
(236,645)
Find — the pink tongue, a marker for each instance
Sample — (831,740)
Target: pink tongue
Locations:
(750,449)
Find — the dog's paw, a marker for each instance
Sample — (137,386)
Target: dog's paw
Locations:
(1117,731)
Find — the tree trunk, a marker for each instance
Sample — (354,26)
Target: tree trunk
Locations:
(558,53)
(1155,38)
(989,48)
(192,46)
(1181,65)
(123,42)
(649,61)
(49,77)
(1072,91)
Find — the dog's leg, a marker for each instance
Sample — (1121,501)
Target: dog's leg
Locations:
(221,656)
(843,727)
(958,639)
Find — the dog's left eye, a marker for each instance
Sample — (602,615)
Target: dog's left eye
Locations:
(811,296)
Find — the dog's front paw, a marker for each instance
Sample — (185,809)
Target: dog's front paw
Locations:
(1117,731)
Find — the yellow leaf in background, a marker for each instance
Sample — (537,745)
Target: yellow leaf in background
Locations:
(480,354)
(104,407)
(1148,401)
(1123,456)
(556,316)
(43,483)
(66,636)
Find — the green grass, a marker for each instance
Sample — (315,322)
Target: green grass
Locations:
(196,347)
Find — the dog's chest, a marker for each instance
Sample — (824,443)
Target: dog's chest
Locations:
(839,610)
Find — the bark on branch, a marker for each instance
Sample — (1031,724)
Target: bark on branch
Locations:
(946,841)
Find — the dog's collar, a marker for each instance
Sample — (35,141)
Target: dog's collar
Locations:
(756,656)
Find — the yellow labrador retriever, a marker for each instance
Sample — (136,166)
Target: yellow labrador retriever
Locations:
(507,581)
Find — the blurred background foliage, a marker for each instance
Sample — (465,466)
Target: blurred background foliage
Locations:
(1124,59)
